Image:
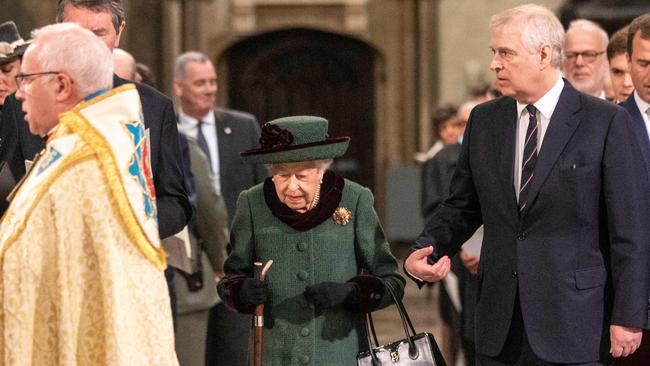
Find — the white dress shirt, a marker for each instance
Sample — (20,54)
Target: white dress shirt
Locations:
(643,108)
(545,107)
(190,127)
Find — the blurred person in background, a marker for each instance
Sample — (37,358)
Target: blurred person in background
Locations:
(12,48)
(619,67)
(585,62)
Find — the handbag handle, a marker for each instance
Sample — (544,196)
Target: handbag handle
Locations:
(406,323)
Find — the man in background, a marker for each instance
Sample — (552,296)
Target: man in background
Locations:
(124,64)
(585,63)
(638,106)
(222,134)
(619,68)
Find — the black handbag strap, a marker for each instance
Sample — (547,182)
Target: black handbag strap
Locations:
(406,323)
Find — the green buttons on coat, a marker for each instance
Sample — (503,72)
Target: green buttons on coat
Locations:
(303,275)
(304,332)
(304,360)
(302,246)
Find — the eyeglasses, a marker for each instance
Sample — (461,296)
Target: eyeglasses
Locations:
(587,56)
(24,79)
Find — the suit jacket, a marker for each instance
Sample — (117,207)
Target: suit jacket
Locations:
(211,219)
(436,175)
(577,255)
(236,132)
(174,209)
(640,130)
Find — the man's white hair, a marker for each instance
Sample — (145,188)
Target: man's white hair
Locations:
(584,24)
(69,48)
(181,63)
(537,26)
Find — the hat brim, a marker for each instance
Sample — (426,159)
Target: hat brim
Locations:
(328,149)
(17,53)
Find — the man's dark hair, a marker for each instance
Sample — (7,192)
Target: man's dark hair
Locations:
(442,114)
(617,43)
(640,24)
(146,74)
(115,7)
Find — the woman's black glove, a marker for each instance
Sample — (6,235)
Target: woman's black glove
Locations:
(326,295)
(253,292)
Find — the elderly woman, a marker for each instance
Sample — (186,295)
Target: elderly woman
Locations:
(331,263)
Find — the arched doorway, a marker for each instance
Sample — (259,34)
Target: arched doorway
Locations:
(301,71)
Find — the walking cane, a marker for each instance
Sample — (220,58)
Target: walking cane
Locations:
(258,319)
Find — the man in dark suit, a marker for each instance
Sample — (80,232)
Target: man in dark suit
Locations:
(222,134)
(563,276)
(638,106)
(106,19)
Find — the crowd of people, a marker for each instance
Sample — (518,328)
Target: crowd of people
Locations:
(132,230)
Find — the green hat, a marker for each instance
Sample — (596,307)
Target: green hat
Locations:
(12,46)
(294,139)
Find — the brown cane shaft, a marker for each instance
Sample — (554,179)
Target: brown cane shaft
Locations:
(258,323)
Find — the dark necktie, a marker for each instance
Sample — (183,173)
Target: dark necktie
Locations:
(203,144)
(529,158)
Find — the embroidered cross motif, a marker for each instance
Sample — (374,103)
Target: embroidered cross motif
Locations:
(139,167)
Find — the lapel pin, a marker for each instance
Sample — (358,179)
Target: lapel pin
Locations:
(227,130)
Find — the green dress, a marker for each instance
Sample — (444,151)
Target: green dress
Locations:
(295,332)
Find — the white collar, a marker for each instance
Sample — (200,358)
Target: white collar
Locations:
(641,104)
(189,120)
(547,103)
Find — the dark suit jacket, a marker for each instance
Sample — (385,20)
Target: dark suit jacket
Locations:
(436,176)
(174,209)
(577,255)
(236,132)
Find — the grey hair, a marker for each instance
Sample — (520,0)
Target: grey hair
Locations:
(115,7)
(323,164)
(69,48)
(537,25)
(584,24)
(184,59)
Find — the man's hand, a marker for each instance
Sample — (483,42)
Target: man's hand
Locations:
(416,264)
(470,262)
(624,340)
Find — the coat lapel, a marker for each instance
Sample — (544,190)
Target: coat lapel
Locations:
(560,129)
(638,125)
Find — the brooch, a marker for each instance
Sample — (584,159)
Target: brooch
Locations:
(342,216)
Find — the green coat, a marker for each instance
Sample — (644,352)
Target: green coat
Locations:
(296,333)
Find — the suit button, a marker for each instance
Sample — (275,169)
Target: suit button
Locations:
(304,332)
(303,275)
(302,246)
(514,274)
(304,360)
(521,236)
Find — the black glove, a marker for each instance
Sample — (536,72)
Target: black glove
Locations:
(253,292)
(326,295)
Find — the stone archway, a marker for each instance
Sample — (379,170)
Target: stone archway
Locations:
(302,71)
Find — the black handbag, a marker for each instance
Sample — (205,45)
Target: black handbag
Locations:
(418,349)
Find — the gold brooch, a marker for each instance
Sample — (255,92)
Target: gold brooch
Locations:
(342,216)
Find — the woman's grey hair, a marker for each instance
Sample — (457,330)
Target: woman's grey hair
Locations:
(537,26)
(182,60)
(69,48)
(320,164)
